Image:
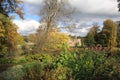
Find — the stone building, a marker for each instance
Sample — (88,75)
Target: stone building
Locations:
(76,41)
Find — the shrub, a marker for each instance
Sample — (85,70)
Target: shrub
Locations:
(7,60)
(81,65)
(33,71)
(42,58)
(12,73)
(76,65)
(61,73)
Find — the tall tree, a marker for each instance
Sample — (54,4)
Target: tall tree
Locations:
(55,11)
(9,37)
(52,13)
(118,40)
(90,38)
(110,31)
(118,34)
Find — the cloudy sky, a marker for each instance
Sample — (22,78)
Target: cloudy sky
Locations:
(86,13)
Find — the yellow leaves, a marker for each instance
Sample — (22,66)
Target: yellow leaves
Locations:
(110,30)
(18,1)
(1,35)
(8,33)
(48,41)
(57,39)
(19,39)
(1,30)
(14,35)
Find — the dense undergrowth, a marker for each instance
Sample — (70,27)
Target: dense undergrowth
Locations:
(67,65)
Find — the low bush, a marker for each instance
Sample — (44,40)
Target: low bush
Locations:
(33,71)
(12,73)
(42,58)
(7,60)
(76,65)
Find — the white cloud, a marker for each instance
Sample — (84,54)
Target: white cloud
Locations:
(90,11)
(26,27)
(33,1)
(84,6)
(95,6)
(87,11)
